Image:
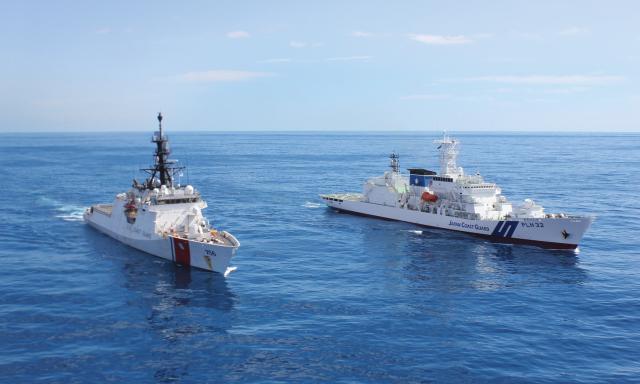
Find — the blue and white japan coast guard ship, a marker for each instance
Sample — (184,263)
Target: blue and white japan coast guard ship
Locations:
(459,202)
(165,219)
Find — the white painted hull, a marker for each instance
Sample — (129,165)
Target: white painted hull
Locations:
(543,232)
(207,256)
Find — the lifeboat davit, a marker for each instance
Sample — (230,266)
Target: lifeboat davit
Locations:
(430,197)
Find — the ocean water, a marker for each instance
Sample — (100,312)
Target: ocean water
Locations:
(318,295)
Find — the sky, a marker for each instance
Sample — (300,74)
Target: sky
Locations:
(320,65)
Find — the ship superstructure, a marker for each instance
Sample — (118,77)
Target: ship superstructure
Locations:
(451,199)
(163,218)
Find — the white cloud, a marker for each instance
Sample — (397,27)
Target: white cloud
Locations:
(103,30)
(276,60)
(220,75)
(548,80)
(298,44)
(361,34)
(238,34)
(574,31)
(441,40)
(349,58)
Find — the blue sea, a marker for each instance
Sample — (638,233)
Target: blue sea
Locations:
(318,295)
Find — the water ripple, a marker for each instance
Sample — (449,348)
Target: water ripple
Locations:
(318,295)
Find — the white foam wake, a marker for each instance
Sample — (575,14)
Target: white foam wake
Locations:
(70,212)
(72,216)
(309,204)
(66,212)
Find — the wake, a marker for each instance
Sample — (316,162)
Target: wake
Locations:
(311,205)
(66,212)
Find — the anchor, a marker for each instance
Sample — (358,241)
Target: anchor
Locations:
(565,234)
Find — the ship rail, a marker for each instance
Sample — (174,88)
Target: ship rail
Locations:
(105,209)
(342,197)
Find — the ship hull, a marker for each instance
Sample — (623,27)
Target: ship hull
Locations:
(549,233)
(186,252)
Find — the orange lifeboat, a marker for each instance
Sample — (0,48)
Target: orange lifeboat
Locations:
(430,197)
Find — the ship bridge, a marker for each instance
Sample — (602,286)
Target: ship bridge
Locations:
(164,195)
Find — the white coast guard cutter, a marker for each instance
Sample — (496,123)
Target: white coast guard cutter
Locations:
(165,219)
(459,202)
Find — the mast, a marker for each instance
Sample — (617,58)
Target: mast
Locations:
(448,153)
(163,169)
(162,155)
(395,162)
